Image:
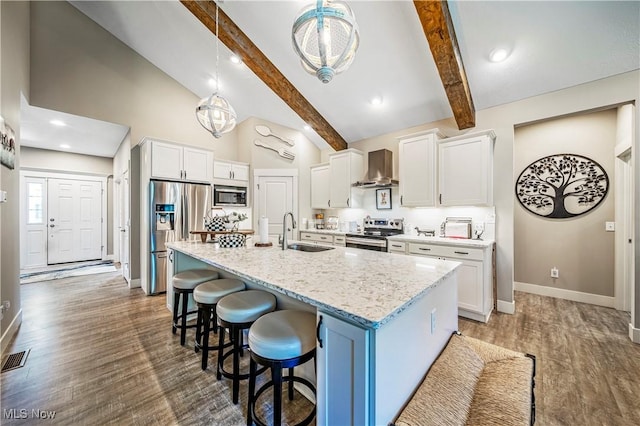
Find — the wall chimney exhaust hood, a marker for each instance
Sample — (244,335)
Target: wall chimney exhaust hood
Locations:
(380,170)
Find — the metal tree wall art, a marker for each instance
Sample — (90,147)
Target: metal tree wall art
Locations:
(562,186)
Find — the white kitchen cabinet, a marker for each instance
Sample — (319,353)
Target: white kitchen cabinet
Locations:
(475,275)
(320,176)
(342,357)
(417,169)
(465,166)
(345,168)
(179,162)
(397,247)
(230,170)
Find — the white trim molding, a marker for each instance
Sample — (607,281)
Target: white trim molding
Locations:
(559,293)
(634,334)
(135,283)
(10,331)
(506,307)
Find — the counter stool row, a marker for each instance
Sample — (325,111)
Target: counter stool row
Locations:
(277,340)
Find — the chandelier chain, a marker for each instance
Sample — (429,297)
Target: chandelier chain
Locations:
(217,48)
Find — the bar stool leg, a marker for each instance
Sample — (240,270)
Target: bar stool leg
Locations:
(220,352)
(252,389)
(176,302)
(206,313)
(183,330)
(237,345)
(276,373)
(291,384)
(198,330)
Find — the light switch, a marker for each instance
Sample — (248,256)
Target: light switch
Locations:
(609,226)
(3,196)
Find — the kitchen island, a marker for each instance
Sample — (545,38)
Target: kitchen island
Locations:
(382,318)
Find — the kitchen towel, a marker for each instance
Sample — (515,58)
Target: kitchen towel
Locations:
(263,226)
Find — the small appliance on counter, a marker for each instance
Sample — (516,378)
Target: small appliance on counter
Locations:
(456,227)
(319,220)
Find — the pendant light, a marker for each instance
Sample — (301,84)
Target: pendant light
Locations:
(325,36)
(215,113)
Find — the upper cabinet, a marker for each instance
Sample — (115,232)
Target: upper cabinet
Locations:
(230,170)
(417,169)
(179,162)
(466,169)
(345,168)
(320,176)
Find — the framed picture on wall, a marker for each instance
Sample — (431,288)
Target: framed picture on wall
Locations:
(383,199)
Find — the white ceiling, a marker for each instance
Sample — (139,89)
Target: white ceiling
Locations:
(553,45)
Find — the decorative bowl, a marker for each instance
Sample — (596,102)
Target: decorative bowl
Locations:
(232,240)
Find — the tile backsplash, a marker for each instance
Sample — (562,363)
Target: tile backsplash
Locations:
(421,217)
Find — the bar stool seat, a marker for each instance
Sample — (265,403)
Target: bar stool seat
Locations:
(206,296)
(277,340)
(237,312)
(183,284)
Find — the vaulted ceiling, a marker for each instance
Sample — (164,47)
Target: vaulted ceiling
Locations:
(552,45)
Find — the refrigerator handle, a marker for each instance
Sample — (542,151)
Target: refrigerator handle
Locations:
(185,216)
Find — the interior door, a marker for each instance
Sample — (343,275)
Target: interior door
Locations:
(75,220)
(275,198)
(34,218)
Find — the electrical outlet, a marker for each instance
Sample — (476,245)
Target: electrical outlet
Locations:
(433,320)
(555,273)
(6,305)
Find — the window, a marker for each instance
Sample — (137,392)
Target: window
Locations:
(35,201)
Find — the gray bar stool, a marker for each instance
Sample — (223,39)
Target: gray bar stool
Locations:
(206,296)
(183,284)
(237,312)
(281,339)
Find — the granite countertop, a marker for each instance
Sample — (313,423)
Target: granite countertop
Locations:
(364,286)
(461,242)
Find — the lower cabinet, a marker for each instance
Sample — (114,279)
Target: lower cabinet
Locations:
(342,357)
(314,237)
(475,275)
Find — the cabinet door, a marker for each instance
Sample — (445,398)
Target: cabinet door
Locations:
(221,170)
(320,176)
(166,160)
(198,164)
(240,172)
(466,171)
(470,285)
(342,372)
(340,187)
(417,171)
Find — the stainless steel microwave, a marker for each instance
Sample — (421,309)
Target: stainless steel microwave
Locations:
(224,195)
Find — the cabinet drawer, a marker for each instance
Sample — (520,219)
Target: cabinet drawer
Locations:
(445,251)
(339,240)
(321,238)
(397,246)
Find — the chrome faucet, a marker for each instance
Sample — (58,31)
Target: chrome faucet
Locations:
(284,228)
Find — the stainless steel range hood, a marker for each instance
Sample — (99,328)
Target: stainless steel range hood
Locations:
(380,170)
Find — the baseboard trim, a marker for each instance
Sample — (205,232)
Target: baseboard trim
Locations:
(10,331)
(634,333)
(135,283)
(506,307)
(559,293)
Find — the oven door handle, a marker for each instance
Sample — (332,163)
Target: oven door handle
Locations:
(366,241)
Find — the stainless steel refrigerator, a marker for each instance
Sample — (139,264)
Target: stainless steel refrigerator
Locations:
(176,208)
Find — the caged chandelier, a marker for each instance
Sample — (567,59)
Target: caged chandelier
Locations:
(325,36)
(214,112)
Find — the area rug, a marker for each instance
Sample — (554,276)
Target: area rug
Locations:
(72,271)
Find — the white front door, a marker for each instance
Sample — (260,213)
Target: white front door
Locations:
(34,222)
(75,220)
(275,198)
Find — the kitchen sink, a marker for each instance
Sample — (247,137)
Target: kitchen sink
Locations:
(309,248)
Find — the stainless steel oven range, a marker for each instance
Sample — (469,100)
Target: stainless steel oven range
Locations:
(375,233)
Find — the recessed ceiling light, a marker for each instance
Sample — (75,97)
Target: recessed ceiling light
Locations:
(236,59)
(498,55)
(59,123)
(307,127)
(376,101)
(65,146)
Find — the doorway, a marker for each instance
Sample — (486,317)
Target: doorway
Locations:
(276,193)
(62,218)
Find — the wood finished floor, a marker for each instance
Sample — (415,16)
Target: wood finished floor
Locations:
(103,354)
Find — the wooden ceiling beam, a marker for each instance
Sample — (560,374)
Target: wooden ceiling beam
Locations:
(436,23)
(238,42)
